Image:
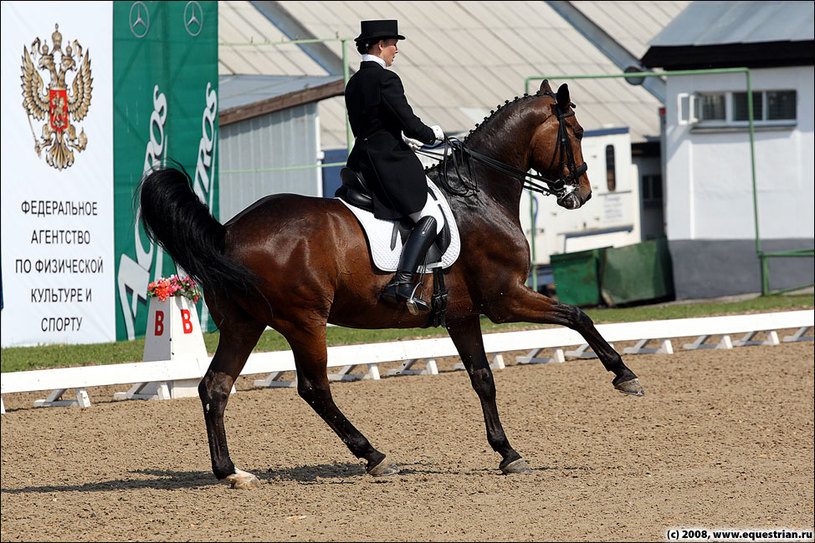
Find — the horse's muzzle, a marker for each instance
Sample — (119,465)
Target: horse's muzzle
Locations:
(570,201)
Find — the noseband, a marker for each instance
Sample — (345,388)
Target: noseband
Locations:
(559,187)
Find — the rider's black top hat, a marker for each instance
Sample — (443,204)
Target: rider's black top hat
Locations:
(382,29)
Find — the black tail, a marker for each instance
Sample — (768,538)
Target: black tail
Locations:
(174,217)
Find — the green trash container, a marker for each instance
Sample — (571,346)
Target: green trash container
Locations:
(577,277)
(636,273)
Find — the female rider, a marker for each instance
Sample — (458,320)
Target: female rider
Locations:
(379,114)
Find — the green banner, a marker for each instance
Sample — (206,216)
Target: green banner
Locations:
(165,107)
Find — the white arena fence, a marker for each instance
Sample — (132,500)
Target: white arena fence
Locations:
(165,373)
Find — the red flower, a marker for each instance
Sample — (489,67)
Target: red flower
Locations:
(164,288)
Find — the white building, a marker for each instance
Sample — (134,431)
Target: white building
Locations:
(710,211)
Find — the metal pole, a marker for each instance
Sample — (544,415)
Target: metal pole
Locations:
(284,42)
(349,134)
(763,264)
(636,74)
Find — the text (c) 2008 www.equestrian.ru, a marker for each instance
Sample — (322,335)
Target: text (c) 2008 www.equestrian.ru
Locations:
(704,534)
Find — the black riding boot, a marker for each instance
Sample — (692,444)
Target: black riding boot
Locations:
(419,241)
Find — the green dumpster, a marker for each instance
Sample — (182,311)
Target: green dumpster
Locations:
(636,273)
(577,277)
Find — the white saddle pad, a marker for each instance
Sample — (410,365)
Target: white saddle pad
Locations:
(380,232)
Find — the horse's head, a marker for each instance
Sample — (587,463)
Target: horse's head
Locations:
(555,148)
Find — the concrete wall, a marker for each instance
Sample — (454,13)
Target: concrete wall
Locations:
(713,268)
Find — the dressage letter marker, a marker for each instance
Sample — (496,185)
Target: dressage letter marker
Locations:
(173,333)
(159,330)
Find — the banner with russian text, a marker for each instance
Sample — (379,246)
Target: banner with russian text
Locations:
(165,107)
(57,173)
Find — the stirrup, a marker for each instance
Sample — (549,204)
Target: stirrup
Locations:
(416,305)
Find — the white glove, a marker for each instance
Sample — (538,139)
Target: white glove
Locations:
(415,145)
(438,132)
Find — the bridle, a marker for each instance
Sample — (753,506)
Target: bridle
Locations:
(559,187)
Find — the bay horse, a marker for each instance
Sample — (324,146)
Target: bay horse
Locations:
(296,263)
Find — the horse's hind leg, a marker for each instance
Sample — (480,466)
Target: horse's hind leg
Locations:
(235,345)
(466,336)
(311,357)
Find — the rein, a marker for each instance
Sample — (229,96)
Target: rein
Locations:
(559,187)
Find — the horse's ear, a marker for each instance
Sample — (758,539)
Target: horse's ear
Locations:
(545,87)
(563,100)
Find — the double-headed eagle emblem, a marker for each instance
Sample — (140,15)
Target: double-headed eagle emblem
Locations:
(58,104)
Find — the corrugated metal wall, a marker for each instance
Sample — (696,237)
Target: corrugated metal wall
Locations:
(250,149)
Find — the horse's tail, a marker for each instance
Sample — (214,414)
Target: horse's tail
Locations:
(174,217)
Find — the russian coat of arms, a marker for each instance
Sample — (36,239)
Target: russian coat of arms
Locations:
(58,105)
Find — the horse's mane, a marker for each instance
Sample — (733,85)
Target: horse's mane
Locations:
(456,157)
(480,127)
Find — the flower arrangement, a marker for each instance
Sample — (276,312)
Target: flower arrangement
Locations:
(165,287)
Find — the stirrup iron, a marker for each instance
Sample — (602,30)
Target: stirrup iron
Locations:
(415,304)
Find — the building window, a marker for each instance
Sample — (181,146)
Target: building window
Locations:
(740,111)
(780,105)
(711,107)
(611,178)
(730,108)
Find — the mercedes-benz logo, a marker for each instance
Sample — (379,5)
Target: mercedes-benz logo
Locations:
(139,19)
(193,18)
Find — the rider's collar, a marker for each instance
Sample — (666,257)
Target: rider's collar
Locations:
(373,58)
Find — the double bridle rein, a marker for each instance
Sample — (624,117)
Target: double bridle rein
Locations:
(559,187)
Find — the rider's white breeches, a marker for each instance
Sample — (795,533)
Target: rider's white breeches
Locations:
(433,209)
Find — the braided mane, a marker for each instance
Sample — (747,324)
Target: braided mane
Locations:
(493,113)
(468,183)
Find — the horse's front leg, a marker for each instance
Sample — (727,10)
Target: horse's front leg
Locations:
(524,304)
(466,336)
(234,347)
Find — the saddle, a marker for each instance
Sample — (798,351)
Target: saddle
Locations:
(355,192)
(385,253)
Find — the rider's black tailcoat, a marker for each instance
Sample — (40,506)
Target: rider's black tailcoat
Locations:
(379,112)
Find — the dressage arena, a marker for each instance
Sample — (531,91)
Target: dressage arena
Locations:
(722,439)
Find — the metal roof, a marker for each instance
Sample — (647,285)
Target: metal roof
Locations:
(720,23)
(461,59)
(632,24)
(236,91)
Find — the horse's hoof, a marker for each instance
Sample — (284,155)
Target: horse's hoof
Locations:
(632,387)
(242,479)
(516,466)
(382,469)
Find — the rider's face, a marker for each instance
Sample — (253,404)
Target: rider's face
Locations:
(388,50)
